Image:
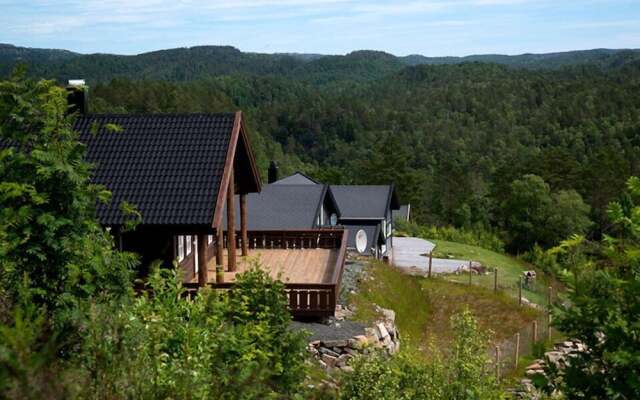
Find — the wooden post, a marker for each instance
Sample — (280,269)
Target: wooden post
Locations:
(430,263)
(203,275)
(469,272)
(219,246)
(495,279)
(498,363)
(549,313)
(243,224)
(517,355)
(231,224)
(520,291)
(534,328)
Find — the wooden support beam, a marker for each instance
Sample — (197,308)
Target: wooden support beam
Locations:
(203,276)
(243,224)
(219,245)
(231,224)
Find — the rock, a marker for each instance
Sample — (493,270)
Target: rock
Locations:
(535,365)
(330,361)
(347,369)
(325,351)
(315,343)
(322,364)
(335,343)
(389,315)
(554,357)
(342,360)
(381,331)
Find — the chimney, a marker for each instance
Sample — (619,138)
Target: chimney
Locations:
(77,92)
(273,172)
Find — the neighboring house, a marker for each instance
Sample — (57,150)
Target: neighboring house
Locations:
(403,213)
(297,178)
(367,208)
(366,211)
(285,206)
(182,173)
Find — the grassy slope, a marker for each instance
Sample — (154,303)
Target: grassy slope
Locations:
(509,268)
(423,307)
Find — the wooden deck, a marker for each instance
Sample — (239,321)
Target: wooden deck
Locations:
(309,262)
(287,265)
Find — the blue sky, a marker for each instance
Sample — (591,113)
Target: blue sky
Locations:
(429,27)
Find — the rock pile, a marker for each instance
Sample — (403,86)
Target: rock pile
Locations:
(559,358)
(382,336)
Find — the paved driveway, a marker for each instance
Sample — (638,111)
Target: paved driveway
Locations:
(413,253)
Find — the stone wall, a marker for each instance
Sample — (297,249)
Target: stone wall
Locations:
(382,336)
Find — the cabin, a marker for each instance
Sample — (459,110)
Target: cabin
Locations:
(294,206)
(190,176)
(366,211)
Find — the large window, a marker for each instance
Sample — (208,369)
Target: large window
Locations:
(188,244)
(180,248)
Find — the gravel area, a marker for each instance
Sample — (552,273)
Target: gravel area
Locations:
(350,278)
(336,330)
(412,254)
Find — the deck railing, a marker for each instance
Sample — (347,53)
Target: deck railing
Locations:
(305,299)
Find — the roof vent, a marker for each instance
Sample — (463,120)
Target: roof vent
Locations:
(273,172)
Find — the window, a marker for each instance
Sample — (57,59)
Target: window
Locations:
(180,248)
(188,244)
(195,244)
(209,239)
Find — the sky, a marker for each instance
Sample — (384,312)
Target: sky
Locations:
(401,27)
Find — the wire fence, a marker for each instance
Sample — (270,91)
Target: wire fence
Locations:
(528,291)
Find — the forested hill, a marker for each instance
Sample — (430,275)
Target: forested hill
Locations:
(459,140)
(186,64)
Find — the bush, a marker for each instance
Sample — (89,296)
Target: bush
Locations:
(460,373)
(474,237)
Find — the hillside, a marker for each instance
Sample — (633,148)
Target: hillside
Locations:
(453,137)
(193,63)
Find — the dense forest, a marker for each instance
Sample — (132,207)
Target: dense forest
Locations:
(459,140)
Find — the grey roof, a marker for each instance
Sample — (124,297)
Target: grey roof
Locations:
(402,213)
(282,207)
(296,179)
(364,201)
(372,231)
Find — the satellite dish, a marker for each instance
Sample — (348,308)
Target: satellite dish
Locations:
(333,219)
(361,241)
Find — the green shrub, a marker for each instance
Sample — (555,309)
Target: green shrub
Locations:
(458,373)
(474,237)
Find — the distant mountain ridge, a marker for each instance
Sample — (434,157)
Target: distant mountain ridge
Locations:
(191,63)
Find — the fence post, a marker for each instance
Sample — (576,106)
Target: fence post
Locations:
(430,262)
(469,272)
(498,363)
(517,355)
(495,279)
(520,291)
(549,314)
(535,331)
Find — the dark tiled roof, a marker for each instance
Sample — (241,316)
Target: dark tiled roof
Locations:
(168,166)
(364,201)
(296,179)
(282,207)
